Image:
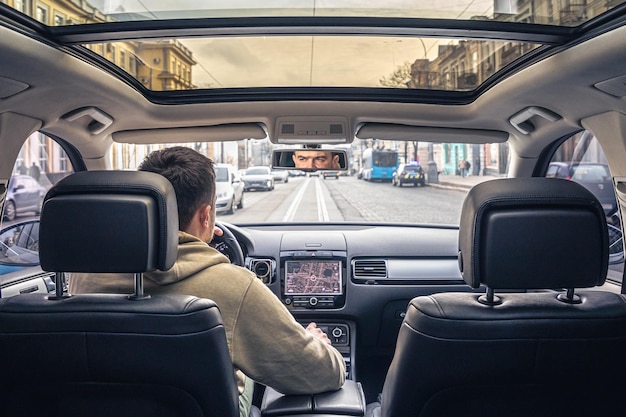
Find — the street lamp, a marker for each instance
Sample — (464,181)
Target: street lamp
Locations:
(424,46)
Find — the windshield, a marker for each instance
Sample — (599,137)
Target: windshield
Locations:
(371,190)
(257,171)
(221,174)
(591,173)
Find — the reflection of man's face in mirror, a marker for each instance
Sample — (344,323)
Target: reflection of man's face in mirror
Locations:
(316,159)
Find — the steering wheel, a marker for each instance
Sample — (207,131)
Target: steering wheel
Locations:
(228,245)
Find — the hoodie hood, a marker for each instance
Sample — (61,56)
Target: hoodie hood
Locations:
(192,258)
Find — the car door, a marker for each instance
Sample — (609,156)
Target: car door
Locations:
(580,158)
(20,271)
(596,177)
(20,195)
(31,194)
(237,186)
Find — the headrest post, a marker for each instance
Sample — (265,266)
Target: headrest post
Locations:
(59,282)
(489,298)
(139,294)
(569,297)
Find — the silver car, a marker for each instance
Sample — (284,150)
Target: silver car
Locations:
(258,178)
(229,189)
(24,195)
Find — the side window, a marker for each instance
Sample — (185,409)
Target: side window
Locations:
(581,158)
(40,164)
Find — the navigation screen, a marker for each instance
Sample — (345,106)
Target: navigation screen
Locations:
(313,278)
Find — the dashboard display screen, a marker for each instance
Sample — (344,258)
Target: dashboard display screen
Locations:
(319,277)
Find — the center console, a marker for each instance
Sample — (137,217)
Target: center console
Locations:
(312,276)
(349,400)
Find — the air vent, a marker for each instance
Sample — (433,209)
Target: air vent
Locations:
(336,129)
(369,269)
(263,269)
(288,129)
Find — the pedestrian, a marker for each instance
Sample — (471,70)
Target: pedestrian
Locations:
(34,172)
(22,169)
(461,166)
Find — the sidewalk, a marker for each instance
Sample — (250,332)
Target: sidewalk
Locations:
(460,183)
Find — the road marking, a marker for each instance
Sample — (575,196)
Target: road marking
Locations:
(291,212)
(322,210)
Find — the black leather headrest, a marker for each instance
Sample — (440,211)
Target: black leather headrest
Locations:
(532,233)
(109,221)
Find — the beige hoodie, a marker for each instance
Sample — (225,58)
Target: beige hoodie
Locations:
(264,339)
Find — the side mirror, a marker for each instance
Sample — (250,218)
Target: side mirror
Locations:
(310,159)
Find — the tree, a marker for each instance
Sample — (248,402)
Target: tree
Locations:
(400,77)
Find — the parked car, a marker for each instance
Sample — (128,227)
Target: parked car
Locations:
(258,178)
(230,189)
(330,174)
(280,175)
(412,173)
(296,173)
(19,260)
(596,177)
(24,195)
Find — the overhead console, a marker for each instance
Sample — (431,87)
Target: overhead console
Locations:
(313,270)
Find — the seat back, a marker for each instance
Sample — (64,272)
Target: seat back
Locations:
(529,351)
(113,354)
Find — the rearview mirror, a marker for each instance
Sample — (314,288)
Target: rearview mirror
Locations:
(310,159)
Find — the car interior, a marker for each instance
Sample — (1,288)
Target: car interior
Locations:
(495,290)
(102,348)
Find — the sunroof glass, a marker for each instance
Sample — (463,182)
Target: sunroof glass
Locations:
(312,61)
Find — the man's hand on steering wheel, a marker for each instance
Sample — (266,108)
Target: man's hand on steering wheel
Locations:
(222,234)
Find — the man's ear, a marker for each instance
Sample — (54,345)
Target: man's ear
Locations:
(205,215)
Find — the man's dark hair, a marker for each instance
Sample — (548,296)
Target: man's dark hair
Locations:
(191,174)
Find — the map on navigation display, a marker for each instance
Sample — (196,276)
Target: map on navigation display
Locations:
(313,277)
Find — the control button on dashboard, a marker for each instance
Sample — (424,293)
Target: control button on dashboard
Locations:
(313,301)
(337,332)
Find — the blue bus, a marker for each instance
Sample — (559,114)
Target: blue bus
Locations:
(378,165)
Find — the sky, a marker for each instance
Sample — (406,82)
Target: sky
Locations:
(277,61)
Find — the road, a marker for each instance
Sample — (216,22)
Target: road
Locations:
(313,199)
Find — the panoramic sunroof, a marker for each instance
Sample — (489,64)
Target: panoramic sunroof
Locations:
(311,61)
(408,56)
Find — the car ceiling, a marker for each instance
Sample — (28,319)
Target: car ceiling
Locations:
(62,82)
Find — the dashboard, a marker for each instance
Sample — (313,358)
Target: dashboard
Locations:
(354,280)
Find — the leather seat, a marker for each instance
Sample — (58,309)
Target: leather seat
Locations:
(113,354)
(533,344)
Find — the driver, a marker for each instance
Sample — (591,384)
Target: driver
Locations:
(318,159)
(266,343)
